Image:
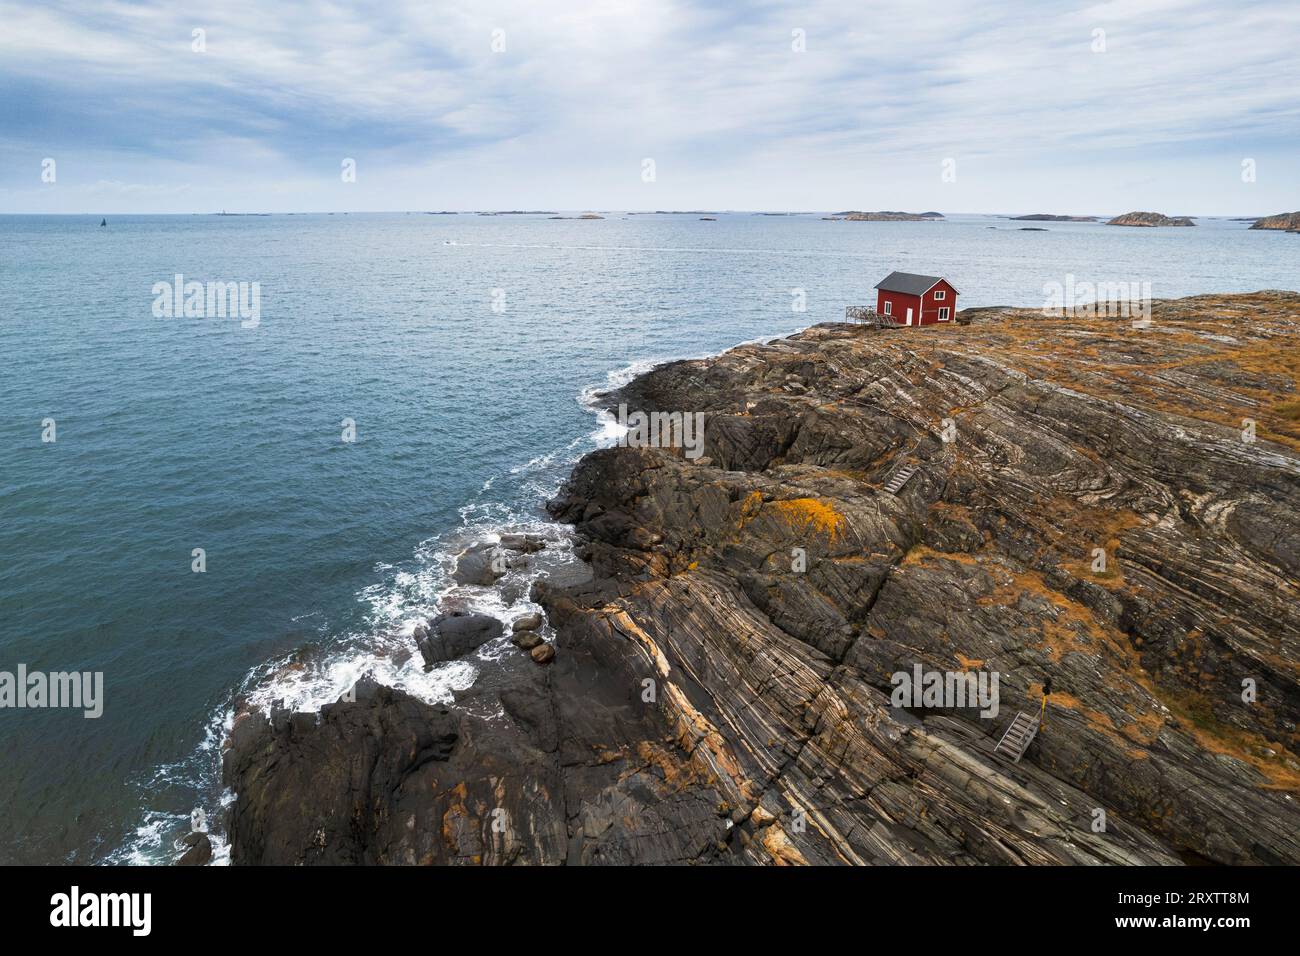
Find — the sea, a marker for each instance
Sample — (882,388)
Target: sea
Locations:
(220,511)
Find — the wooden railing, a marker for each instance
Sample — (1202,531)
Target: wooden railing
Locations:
(868,315)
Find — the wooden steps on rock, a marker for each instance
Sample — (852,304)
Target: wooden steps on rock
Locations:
(1019,735)
(900,478)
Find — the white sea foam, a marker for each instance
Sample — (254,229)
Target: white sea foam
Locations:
(615,379)
(156,840)
(609,430)
(403,596)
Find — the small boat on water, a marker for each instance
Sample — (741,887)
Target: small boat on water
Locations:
(103,222)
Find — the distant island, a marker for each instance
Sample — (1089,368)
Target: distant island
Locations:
(585,215)
(1048,217)
(1149,219)
(1287,221)
(887,215)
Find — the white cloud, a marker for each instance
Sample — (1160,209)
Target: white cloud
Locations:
(585,89)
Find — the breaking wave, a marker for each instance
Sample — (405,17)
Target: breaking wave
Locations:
(405,595)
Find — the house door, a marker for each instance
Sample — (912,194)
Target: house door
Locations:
(909,316)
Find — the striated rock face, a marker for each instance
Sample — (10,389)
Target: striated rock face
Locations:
(1149,219)
(1289,221)
(1089,505)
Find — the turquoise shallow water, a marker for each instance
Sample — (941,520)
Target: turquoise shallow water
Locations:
(175,434)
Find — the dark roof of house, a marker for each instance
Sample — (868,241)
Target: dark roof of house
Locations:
(909,284)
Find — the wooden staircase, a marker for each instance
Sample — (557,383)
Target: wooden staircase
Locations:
(900,478)
(1019,735)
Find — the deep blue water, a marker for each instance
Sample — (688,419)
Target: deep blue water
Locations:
(184,433)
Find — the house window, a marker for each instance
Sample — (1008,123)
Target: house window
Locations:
(940,294)
(889,308)
(943,314)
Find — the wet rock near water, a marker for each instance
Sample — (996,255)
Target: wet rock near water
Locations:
(480,565)
(527,543)
(529,622)
(526,640)
(454,634)
(199,849)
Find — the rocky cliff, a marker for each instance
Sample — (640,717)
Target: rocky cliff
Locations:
(1149,219)
(1109,507)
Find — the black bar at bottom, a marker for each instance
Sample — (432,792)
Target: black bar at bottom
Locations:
(333,906)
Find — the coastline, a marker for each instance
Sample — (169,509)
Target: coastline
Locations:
(687,594)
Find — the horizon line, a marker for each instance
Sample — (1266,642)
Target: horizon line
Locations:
(641,212)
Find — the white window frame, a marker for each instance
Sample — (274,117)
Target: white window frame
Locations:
(943,314)
(889,307)
(940,295)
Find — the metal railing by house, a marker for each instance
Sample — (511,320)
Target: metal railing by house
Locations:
(869,316)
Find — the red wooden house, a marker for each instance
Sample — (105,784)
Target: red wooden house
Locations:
(908,299)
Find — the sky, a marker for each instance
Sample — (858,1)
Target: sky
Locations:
(1186,107)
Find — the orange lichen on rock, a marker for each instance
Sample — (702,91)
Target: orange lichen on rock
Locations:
(923,554)
(810,514)
(1278,765)
(1143,730)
